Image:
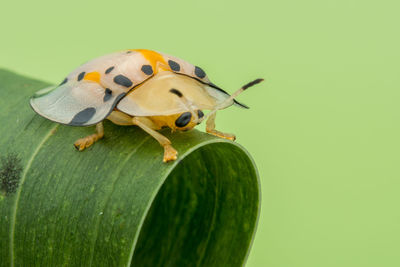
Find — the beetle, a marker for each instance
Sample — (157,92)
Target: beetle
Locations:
(138,87)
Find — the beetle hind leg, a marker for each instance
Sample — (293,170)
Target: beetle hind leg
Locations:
(148,126)
(87,141)
(210,128)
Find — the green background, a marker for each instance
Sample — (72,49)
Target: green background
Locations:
(323,128)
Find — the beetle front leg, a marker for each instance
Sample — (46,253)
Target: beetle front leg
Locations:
(87,141)
(210,128)
(148,126)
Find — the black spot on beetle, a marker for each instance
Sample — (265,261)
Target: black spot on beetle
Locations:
(83,116)
(174,65)
(123,80)
(128,52)
(81,75)
(107,94)
(147,69)
(10,173)
(183,119)
(65,81)
(176,92)
(109,70)
(199,72)
(200,114)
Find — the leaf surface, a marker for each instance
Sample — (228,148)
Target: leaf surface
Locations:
(117,203)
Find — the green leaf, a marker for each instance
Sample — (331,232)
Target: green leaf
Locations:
(117,203)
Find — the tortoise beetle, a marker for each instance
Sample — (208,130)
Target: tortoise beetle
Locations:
(138,87)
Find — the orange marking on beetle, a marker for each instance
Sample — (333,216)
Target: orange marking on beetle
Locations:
(155,59)
(92,76)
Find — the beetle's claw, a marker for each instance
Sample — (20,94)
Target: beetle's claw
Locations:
(81,144)
(170,154)
(228,136)
(87,141)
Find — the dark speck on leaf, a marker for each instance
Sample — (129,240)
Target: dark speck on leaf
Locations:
(10,173)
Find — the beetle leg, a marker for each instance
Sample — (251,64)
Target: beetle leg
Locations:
(210,128)
(148,126)
(87,141)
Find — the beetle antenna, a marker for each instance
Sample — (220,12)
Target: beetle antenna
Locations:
(232,97)
(185,102)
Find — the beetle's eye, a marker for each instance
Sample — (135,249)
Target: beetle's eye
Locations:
(200,114)
(183,119)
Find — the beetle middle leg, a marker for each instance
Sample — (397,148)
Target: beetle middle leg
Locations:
(148,126)
(87,141)
(210,128)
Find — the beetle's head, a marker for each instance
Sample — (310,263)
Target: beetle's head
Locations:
(186,120)
(190,118)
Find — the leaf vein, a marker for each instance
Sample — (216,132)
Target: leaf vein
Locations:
(23,177)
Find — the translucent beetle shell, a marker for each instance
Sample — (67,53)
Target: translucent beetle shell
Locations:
(134,87)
